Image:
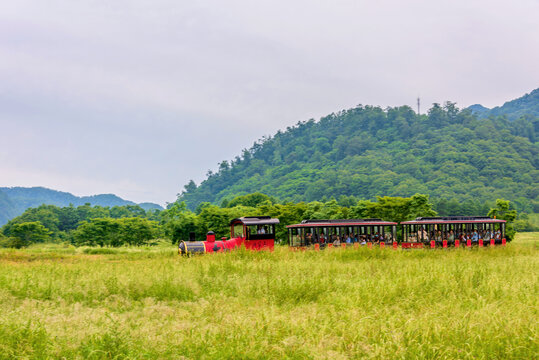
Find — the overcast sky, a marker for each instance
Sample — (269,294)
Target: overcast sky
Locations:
(137,97)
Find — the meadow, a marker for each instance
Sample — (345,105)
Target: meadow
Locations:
(147,303)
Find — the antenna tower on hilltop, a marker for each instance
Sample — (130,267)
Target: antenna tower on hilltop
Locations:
(418,106)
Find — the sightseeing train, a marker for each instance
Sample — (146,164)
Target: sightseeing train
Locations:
(451,231)
(253,232)
(258,233)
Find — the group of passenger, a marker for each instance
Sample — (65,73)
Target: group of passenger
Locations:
(485,235)
(438,236)
(352,238)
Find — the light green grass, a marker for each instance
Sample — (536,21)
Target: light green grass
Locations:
(384,304)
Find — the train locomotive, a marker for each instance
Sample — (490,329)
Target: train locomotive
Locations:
(253,232)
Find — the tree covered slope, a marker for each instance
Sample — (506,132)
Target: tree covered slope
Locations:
(7,209)
(514,109)
(367,152)
(15,200)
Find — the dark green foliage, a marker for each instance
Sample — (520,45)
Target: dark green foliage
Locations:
(394,208)
(26,233)
(464,163)
(130,225)
(251,200)
(505,211)
(452,207)
(179,221)
(63,221)
(115,232)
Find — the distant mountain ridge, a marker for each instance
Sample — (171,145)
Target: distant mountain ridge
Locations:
(15,200)
(524,105)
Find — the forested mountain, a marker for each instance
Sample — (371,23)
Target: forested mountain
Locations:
(7,209)
(364,152)
(15,200)
(514,109)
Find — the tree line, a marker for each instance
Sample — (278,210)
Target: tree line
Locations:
(82,225)
(131,225)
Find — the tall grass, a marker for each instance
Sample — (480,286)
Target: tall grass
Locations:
(352,303)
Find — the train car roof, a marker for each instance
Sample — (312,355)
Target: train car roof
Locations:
(255,220)
(453,220)
(341,222)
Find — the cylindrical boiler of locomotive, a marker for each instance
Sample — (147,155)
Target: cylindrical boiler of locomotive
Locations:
(191,247)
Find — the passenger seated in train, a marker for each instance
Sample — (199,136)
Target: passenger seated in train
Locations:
(348,239)
(261,230)
(322,238)
(337,240)
(475,237)
(423,235)
(354,238)
(363,240)
(451,236)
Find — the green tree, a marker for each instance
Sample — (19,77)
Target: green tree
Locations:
(395,208)
(29,233)
(97,232)
(218,219)
(178,222)
(504,211)
(136,231)
(250,200)
(115,232)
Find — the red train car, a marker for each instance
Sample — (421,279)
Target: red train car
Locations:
(342,232)
(457,231)
(253,232)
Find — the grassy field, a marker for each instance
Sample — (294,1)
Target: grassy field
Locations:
(62,302)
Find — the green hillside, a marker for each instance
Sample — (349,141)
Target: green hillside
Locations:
(365,152)
(7,209)
(514,109)
(15,200)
